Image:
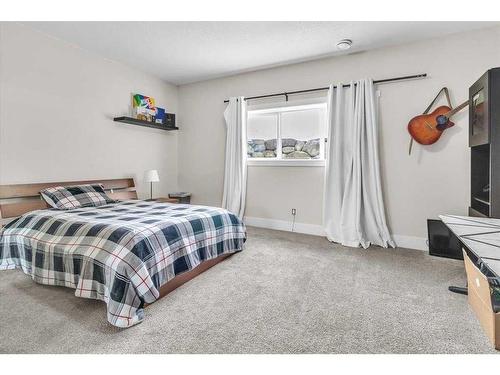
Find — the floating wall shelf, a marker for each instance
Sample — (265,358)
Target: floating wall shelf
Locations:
(147,124)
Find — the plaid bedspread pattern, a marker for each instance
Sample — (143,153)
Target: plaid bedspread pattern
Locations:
(119,253)
(71,197)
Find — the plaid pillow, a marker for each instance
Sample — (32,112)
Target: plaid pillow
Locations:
(69,197)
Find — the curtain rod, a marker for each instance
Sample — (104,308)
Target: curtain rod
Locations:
(423,75)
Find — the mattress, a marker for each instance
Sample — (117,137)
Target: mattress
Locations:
(119,253)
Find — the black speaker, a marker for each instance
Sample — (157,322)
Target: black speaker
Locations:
(442,241)
(169,119)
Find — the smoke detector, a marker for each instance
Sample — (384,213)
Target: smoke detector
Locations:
(344,44)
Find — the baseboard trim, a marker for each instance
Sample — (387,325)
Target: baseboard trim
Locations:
(314,229)
(409,242)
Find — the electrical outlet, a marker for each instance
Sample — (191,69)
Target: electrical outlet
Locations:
(294,211)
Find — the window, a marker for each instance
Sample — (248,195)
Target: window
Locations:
(293,135)
(262,134)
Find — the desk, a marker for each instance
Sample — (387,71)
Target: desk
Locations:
(480,238)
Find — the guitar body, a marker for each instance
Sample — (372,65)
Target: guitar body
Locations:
(427,129)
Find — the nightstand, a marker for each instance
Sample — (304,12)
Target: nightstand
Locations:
(163,200)
(183,197)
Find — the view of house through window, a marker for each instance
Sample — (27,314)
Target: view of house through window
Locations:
(289,133)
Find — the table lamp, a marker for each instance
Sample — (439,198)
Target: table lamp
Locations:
(151,176)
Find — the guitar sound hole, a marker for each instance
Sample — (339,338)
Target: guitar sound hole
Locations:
(442,122)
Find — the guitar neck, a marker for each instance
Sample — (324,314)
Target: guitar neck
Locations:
(456,109)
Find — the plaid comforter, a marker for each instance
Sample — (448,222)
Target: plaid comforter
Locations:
(120,253)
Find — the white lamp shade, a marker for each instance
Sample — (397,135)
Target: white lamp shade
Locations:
(151,176)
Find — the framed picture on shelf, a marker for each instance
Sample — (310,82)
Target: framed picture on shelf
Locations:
(143,107)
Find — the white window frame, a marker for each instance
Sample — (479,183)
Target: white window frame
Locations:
(276,162)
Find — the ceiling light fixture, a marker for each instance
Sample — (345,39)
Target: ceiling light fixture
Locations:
(344,44)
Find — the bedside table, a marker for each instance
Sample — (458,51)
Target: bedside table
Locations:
(163,200)
(183,197)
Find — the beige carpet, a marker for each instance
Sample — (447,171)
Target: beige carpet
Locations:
(285,293)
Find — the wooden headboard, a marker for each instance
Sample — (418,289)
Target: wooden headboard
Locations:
(16,200)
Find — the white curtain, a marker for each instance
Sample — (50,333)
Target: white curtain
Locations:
(235,169)
(353,206)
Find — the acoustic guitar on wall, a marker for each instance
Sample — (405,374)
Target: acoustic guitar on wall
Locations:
(427,129)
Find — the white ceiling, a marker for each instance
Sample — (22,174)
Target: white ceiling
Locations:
(184,52)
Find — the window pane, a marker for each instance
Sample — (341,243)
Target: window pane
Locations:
(303,133)
(261,135)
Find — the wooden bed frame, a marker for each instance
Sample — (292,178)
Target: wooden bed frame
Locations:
(16,200)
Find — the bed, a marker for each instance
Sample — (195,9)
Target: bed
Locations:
(128,253)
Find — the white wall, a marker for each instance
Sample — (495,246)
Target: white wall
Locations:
(57,102)
(432,181)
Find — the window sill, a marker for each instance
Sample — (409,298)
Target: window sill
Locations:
(285,163)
